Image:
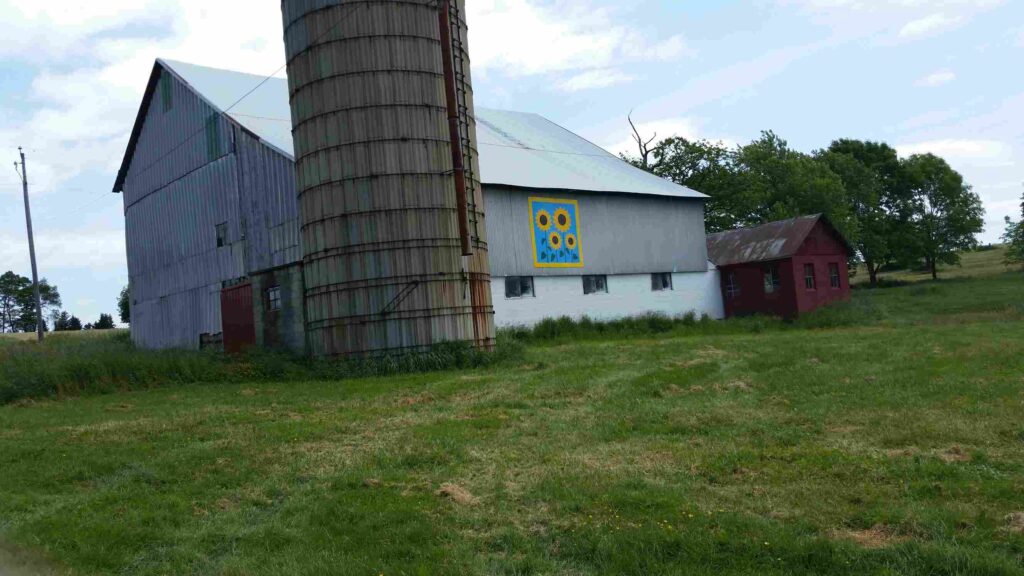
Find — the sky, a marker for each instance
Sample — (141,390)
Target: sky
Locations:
(940,76)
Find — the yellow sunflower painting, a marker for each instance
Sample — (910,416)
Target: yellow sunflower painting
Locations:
(562,220)
(555,240)
(543,220)
(556,236)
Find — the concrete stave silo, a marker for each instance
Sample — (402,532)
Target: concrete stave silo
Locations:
(383,254)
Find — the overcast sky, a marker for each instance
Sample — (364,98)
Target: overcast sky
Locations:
(940,76)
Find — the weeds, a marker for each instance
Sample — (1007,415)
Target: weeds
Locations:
(68,366)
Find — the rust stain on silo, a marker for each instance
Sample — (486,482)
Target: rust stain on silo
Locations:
(384,258)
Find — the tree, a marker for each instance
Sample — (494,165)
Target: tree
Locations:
(709,168)
(1014,239)
(124,307)
(947,214)
(644,147)
(779,182)
(60,323)
(17,302)
(106,322)
(74,324)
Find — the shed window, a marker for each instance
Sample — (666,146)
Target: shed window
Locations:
(518,287)
(274,298)
(661,281)
(222,234)
(595,284)
(732,287)
(834,279)
(772,282)
(809,281)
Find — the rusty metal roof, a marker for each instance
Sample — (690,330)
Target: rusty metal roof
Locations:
(771,241)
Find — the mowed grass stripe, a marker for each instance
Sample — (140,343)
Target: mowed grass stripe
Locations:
(881,449)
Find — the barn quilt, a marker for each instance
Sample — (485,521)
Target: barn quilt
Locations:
(557,240)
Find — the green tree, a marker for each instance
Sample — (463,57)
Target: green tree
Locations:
(74,324)
(60,323)
(1014,239)
(779,182)
(17,302)
(106,322)
(124,307)
(709,168)
(879,198)
(947,214)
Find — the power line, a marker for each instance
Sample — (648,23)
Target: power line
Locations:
(224,112)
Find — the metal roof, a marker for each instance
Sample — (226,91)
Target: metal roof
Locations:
(771,241)
(516,149)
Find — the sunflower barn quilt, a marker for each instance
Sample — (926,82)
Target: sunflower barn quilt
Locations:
(556,233)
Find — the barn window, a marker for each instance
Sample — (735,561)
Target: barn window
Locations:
(809,281)
(595,284)
(166,91)
(222,234)
(661,281)
(834,279)
(772,282)
(518,287)
(274,298)
(732,287)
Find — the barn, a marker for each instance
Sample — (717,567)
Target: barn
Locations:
(782,268)
(214,238)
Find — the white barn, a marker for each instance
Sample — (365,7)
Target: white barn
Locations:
(210,204)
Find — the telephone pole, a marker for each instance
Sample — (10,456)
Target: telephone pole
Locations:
(31,246)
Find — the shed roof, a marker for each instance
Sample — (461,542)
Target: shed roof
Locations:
(772,241)
(516,149)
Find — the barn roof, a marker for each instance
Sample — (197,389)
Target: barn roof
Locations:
(771,241)
(516,149)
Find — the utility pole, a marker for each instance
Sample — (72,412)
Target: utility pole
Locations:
(31,246)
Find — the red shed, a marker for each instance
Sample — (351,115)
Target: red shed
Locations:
(782,268)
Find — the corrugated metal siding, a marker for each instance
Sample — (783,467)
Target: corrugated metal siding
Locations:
(269,203)
(174,141)
(176,269)
(620,234)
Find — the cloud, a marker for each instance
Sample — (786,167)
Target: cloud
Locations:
(929,25)
(990,153)
(908,19)
(621,142)
(594,79)
(79,249)
(524,38)
(937,78)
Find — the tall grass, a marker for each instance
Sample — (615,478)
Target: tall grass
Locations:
(100,364)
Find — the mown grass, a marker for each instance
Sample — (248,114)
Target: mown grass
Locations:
(894,446)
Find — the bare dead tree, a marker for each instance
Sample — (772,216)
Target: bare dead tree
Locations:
(644,145)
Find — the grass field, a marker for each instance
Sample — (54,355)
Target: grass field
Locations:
(988,262)
(882,437)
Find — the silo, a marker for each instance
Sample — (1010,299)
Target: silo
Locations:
(394,259)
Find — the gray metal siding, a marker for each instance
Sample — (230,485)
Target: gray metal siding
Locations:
(174,141)
(620,234)
(172,209)
(269,202)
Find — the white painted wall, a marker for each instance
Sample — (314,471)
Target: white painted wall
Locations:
(628,295)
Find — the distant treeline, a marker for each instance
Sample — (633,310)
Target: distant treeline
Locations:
(914,211)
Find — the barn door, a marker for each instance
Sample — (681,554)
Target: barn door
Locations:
(237,318)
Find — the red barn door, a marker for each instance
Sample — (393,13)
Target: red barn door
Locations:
(237,318)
